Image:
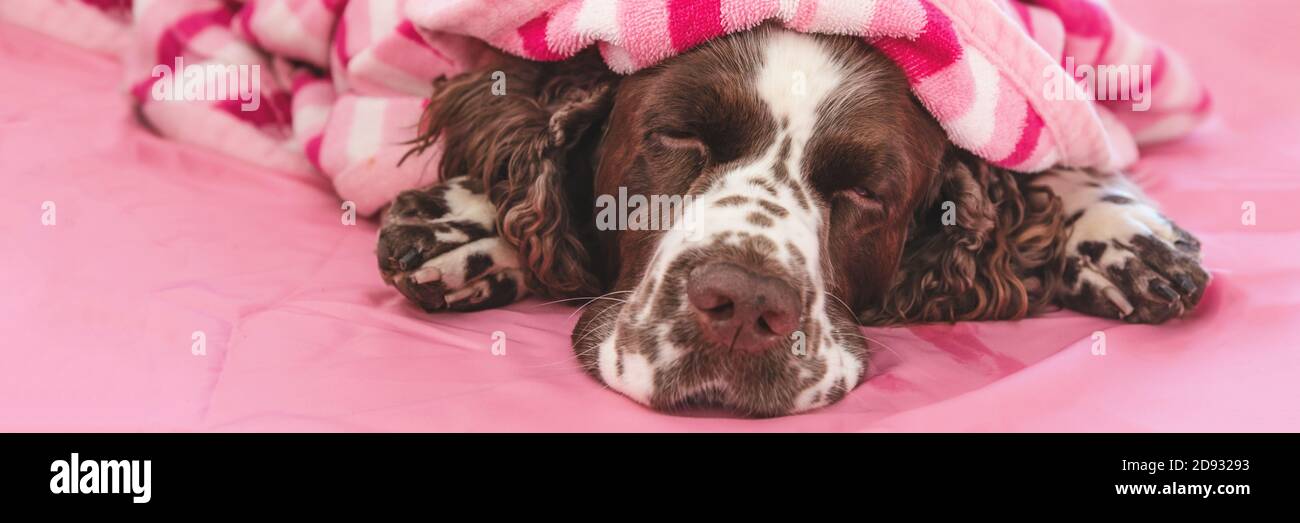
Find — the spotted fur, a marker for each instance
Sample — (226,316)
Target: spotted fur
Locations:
(808,162)
(1124,259)
(439,247)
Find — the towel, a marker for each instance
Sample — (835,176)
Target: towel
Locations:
(988,70)
(1024,84)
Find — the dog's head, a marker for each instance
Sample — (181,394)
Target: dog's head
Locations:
(735,210)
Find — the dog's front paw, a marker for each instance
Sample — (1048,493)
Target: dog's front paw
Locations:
(439,249)
(1125,260)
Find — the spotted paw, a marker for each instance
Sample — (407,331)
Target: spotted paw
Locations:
(1125,260)
(439,248)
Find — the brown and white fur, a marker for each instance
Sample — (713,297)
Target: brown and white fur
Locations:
(823,196)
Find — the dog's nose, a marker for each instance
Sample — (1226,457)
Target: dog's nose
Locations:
(740,309)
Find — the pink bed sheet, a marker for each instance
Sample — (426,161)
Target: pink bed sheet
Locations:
(154,241)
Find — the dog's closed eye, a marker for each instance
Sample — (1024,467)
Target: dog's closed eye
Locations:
(680,144)
(863,194)
(864,200)
(677,139)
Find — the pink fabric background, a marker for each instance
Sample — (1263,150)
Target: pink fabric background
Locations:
(156,240)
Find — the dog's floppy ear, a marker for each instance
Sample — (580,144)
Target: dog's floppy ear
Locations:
(985,246)
(519,125)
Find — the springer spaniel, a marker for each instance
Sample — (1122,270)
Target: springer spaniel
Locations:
(822,195)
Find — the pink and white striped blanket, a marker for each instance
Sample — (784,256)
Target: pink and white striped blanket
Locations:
(341,82)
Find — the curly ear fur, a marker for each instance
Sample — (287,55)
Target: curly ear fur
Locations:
(523,144)
(1000,258)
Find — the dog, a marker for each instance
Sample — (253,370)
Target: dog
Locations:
(822,196)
